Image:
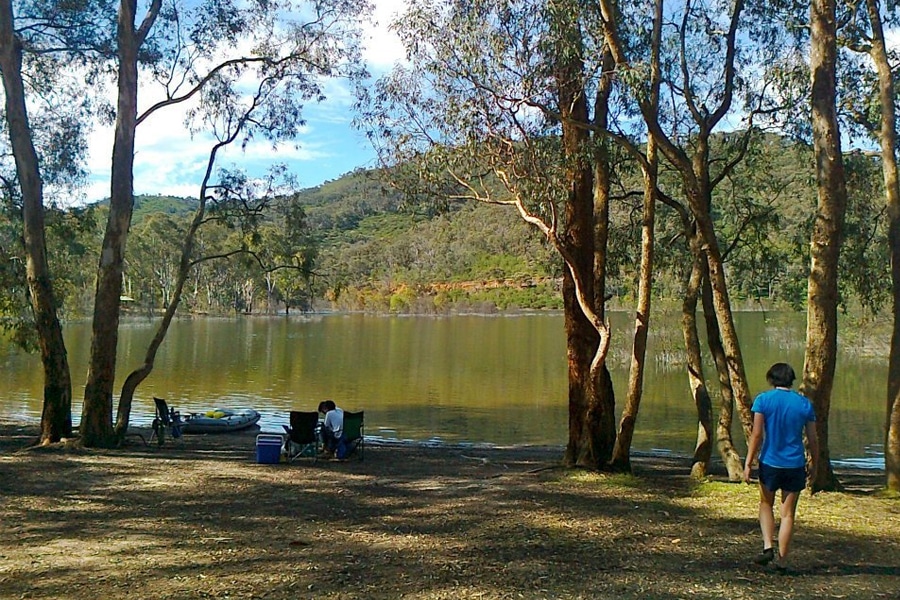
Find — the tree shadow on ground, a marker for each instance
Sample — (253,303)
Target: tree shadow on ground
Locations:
(203,520)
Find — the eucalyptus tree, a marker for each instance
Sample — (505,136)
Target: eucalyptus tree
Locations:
(152,259)
(808,81)
(645,45)
(621,458)
(888,139)
(204,52)
(233,199)
(696,289)
(513,104)
(587,174)
(16,318)
(69,251)
(226,198)
(36,40)
(288,252)
(879,119)
(825,243)
(705,69)
(205,291)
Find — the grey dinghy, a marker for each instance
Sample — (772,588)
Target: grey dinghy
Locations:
(220,420)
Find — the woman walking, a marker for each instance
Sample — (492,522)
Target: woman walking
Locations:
(780,418)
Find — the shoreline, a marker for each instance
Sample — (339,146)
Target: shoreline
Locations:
(871,464)
(19,436)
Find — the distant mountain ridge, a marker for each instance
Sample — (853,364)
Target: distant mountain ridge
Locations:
(376,252)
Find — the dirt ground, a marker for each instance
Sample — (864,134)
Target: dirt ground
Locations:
(200,519)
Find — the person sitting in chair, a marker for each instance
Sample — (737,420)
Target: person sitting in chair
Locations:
(332,428)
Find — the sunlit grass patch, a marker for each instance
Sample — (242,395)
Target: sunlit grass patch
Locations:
(721,499)
(625,480)
(604,481)
(887,494)
(870,516)
(717,489)
(621,480)
(582,477)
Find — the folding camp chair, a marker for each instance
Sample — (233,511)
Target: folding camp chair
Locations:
(354,433)
(302,435)
(165,418)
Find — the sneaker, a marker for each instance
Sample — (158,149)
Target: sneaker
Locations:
(765,557)
(780,567)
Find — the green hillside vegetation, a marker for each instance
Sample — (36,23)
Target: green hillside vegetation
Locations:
(379,253)
(363,246)
(170,205)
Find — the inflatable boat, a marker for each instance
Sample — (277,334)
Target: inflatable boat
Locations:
(220,420)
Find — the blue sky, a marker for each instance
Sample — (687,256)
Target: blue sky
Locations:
(168,161)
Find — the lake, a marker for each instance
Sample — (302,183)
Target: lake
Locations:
(463,379)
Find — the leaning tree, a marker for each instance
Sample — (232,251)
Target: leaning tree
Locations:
(201,54)
(704,78)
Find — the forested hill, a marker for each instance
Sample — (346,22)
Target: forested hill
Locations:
(374,251)
(170,205)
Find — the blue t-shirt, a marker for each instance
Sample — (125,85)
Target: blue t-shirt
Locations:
(786,414)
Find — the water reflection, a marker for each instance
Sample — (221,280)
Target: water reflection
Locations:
(461,379)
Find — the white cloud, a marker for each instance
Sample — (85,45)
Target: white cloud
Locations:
(892,38)
(96,190)
(265,151)
(100,143)
(168,160)
(382,47)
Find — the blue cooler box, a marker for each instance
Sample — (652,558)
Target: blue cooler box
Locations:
(268,449)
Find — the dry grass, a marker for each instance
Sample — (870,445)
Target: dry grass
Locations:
(202,520)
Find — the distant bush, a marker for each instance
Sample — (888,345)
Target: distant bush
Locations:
(460,297)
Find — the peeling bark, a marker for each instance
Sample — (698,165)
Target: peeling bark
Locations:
(56,415)
(888,138)
(822,295)
(96,416)
(696,379)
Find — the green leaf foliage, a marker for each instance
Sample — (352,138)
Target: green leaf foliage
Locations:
(355,244)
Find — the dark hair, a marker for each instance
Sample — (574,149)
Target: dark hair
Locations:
(328,405)
(322,407)
(781,375)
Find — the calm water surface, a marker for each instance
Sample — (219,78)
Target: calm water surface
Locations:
(460,379)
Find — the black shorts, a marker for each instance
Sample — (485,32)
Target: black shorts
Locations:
(787,480)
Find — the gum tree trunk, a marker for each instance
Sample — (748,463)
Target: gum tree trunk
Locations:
(96,419)
(724,439)
(721,301)
(56,415)
(696,380)
(694,171)
(591,399)
(822,295)
(621,459)
(888,139)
